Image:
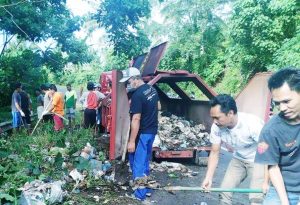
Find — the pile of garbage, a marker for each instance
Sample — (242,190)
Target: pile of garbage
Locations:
(177,133)
(85,162)
(171,167)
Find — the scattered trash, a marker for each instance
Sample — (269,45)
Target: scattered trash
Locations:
(76,176)
(142,182)
(124,188)
(169,167)
(111,177)
(88,152)
(95,165)
(97,198)
(176,133)
(172,167)
(38,192)
(56,194)
(106,166)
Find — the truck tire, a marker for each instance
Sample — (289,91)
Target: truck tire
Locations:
(201,158)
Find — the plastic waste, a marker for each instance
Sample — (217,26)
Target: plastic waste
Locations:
(76,176)
(40,193)
(106,166)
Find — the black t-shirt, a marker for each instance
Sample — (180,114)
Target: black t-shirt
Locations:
(279,144)
(24,100)
(144,101)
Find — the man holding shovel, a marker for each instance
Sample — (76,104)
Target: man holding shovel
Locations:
(144,125)
(56,107)
(238,133)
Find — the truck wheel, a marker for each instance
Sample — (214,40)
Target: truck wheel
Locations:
(201,158)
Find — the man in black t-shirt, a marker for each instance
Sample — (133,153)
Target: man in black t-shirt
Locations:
(279,142)
(144,125)
(26,107)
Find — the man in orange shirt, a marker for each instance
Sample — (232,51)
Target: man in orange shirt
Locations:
(57,108)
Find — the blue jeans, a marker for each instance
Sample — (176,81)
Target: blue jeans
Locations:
(273,198)
(17,119)
(139,161)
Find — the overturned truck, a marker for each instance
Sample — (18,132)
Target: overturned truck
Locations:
(175,101)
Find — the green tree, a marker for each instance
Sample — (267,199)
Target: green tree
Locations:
(38,37)
(259,28)
(38,21)
(22,65)
(196,36)
(288,54)
(121,20)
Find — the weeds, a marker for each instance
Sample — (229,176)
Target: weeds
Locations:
(24,158)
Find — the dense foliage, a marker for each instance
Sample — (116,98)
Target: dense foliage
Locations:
(37,36)
(226,49)
(225,42)
(259,29)
(121,19)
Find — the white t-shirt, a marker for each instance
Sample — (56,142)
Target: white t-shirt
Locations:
(99,95)
(47,100)
(242,139)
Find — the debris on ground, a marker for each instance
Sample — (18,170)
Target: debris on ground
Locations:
(171,167)
(39,192)
(177,133)
(143,182)
(76,176)
(88,152)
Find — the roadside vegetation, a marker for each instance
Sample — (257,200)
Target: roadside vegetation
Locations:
(225,42)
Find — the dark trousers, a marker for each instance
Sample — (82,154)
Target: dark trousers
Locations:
(89,118)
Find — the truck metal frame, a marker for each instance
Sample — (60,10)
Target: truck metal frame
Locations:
(254,98)
(115,109)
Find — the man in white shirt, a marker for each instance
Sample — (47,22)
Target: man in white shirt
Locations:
(238,133)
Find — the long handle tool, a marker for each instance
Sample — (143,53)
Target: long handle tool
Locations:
(41,117)
(234,190)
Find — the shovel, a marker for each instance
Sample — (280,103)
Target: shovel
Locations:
(40,119)
(233,190)
(126,143)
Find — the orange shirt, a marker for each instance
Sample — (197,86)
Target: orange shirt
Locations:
(92,100)
(58,103)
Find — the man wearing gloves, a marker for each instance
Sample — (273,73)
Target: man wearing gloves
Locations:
(16,110)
